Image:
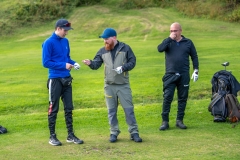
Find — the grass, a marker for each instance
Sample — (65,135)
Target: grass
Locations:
(23,94)
(203,139)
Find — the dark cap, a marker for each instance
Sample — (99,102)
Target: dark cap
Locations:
(108,32)
(63,23)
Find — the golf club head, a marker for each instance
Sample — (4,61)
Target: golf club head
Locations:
(225,64)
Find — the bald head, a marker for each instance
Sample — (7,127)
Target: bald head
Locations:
(175,31)
(176,25)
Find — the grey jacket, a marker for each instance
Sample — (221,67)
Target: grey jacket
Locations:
(124,57)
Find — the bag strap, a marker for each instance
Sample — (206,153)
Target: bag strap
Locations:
(215,98)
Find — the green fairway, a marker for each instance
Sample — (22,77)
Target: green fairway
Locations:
(24,96)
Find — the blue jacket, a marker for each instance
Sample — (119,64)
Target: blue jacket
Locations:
(55,55)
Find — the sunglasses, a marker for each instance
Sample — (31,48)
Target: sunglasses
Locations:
(66,25)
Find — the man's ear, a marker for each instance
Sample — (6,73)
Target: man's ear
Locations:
(58,28)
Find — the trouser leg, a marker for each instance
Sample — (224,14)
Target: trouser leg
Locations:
(168,93)
(183,88)
(124,94)
(131,120)
(69,121)
(112,106)
(54,87)
(68,107)
(113,121)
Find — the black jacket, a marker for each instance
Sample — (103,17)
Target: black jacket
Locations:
(177,55)
(234,84)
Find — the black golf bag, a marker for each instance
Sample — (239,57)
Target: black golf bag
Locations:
(224,85)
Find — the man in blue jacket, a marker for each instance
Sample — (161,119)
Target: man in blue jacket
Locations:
(118,59)
(56,57)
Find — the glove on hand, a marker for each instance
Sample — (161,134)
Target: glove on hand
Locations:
(118,70)
(195,75)
(76,66)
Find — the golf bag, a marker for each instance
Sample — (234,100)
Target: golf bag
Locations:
(223,101)
(233,108)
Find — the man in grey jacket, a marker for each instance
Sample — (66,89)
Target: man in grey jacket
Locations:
(118,59)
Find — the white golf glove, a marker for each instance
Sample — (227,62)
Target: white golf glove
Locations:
(195,75)
(118,70)
(76,66)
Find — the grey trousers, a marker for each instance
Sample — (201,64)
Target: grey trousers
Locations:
(121,92)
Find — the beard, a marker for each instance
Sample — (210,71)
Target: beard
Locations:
(109,46)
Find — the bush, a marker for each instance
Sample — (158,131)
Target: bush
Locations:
(78,3)
(138,4)
(195,8)
(214,9)
(45,10)
(235,16)
(38,11)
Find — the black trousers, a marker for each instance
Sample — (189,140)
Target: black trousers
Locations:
(170,83)
(57,91)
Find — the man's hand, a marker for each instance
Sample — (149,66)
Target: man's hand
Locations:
(118,70)
(195,75)
(86,62)
(69,66)
(173,36)
(76,66)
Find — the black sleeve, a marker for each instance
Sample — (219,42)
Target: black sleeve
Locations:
(97,61)
(194,56)
(131,60)
(164,45)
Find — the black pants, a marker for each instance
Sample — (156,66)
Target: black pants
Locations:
(57,91)
(170,82)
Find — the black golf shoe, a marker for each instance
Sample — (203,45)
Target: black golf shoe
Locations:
(180,124)
(164,126)
(135,137)
(3,130)
(113,138)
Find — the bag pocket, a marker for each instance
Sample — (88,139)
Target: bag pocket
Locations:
(66,81)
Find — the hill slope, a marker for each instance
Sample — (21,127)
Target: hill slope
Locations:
(143,29)
(24,96)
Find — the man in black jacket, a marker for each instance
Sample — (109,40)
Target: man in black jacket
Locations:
(118,59)
(177,50)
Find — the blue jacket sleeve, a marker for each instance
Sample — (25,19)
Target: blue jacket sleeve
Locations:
(69,58)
